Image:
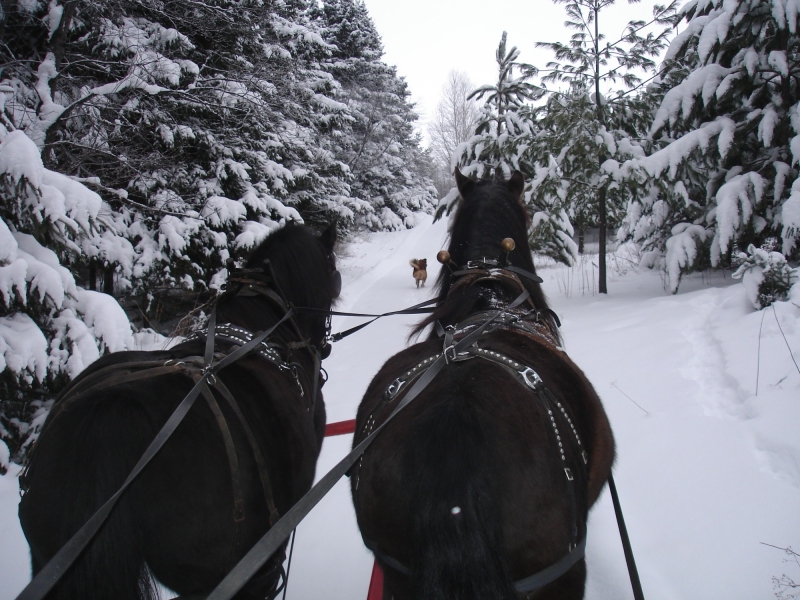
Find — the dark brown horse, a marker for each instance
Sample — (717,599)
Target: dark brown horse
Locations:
(481,487)
(243,455)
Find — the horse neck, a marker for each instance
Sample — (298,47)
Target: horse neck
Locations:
(257,313)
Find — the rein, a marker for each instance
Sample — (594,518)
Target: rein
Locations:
(273,539)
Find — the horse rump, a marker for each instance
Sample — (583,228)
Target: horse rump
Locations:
(455,526)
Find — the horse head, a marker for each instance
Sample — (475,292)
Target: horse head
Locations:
(489,230)
(292,266)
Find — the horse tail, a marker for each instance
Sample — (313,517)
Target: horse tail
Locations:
(457,529)
(111,567)
(113,564)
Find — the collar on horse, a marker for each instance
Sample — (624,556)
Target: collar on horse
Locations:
(503,272)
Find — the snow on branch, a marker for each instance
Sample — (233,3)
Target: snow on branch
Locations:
(675,154)
(736,200)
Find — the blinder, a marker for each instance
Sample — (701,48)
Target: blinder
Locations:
(336,285)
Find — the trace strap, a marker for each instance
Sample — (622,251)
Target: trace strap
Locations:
(272,540)
(58,565)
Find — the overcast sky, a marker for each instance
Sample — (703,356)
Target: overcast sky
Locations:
(426,39)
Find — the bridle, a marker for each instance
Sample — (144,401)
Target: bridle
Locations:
(262,282)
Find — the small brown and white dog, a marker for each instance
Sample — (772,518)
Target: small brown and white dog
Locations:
(420,270)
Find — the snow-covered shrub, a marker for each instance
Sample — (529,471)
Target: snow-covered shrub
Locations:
(5,458)
(765,274)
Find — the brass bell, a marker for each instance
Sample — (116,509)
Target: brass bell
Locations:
(443,257)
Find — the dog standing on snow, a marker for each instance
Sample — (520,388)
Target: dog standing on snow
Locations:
(420,270)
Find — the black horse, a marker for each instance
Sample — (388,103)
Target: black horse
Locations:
(243,455)
(480,488)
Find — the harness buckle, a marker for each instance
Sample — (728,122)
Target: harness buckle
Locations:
(394,388)
(449,354)
(209,375)
(531,378)
(568,473)
(585,457)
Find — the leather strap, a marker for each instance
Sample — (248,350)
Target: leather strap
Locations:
(553,572)
(233,465)
(523,586)
(272,540)
(261,461)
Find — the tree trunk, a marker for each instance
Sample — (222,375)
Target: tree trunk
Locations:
(581,239)
(601,286)
(108,280)
(601,197)
(92,277)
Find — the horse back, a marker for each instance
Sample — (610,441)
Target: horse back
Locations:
(478,441)
(179,513)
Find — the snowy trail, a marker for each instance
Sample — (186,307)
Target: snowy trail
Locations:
(330,560)
(707,470)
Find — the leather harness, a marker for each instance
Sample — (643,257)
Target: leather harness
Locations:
(202,370)
(532,324)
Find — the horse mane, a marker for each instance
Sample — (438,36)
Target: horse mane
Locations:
(488,213)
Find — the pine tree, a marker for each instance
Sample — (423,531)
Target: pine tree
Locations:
(50,328)
(507,130)
(382,152)
(203,125)
(722,171)
(590,118)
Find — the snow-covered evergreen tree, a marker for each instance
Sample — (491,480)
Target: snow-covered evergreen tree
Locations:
(387,166)
(50,328)
(722,172)
(593,119)
(506,130)
(200,139)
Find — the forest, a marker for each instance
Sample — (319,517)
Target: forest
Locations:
(143,144)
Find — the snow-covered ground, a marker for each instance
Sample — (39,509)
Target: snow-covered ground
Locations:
(703,394)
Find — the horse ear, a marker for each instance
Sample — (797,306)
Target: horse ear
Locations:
(328,237)
(516,184)
(464,184)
